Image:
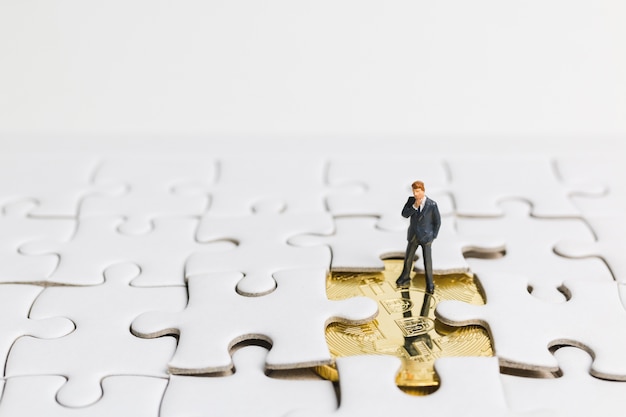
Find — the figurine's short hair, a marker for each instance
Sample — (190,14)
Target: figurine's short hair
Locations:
(418,184)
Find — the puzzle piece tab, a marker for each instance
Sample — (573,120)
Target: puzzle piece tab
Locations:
(15,308)
(135,396)
(102,344)
(608,170)
(523,327)
(257,394)
(262,247)
(293,318)
(16,229)
(610,233)
(478,184)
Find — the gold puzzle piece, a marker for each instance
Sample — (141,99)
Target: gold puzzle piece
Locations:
(406,326)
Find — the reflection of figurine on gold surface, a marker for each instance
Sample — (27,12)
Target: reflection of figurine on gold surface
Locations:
(420,328)
(423,229)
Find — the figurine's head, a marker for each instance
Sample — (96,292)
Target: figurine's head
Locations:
(418,191)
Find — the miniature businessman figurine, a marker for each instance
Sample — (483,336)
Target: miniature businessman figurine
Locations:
(423,229)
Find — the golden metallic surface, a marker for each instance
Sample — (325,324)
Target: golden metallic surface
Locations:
(406,326)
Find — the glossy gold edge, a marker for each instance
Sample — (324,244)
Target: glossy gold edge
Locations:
(345,284)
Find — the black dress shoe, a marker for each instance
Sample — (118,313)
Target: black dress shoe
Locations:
(403,281)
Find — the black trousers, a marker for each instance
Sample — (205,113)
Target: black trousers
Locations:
(409,257)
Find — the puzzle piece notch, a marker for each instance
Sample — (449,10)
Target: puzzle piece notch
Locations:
(102,344)
(609,230)
(358,244)
(259,395)
(96,245)
(575,393)
(292,318)
(17,228)
(123,396)
(262,247)
(523,327)
(158,186)
(530,243)
(387,184)
(479,184)
(15,306)
(58,182)
(469,386)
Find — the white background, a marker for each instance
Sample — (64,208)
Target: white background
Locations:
(388,69)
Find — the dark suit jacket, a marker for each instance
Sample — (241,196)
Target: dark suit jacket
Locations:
(425,225)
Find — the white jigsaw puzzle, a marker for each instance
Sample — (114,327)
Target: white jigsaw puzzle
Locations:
(136,396)
(470,386)
(262,247)
(257,394)
(230,250)
(523,327)
(292,318)
(102,344)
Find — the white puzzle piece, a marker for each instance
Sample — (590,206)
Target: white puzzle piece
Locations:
(57,182)
(15,307)
(102,343)
(470,386)
(357,244)
(260,184)
(387,182)
(530,245)
(135,396)
(479,183)
(523,327)
(262,247)
(16,229)
(610,243)
(152,189)
(97,244)
(293,318)
(257,394)
(575,393)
